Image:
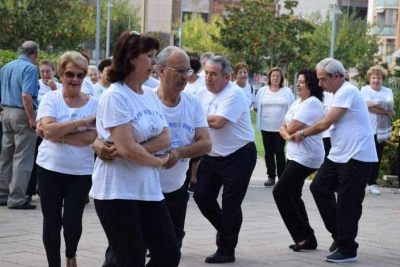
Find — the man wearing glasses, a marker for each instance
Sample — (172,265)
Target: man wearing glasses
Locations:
(19,84)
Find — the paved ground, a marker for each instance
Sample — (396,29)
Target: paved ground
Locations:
(263,240)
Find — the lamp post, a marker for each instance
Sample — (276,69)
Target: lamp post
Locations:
(109,6)
(336,11)
(97,52)
(180,27)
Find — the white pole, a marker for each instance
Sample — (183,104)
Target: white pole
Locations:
(180,27)
(109,6)
(97,52)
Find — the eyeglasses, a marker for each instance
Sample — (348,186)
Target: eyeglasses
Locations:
(180,71)
(71,75)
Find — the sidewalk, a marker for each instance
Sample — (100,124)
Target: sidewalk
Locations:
(263,239)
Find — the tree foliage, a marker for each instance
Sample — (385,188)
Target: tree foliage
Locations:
(261,36)
(199,36)
(52,24)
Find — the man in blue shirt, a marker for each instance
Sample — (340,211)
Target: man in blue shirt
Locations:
(19,85)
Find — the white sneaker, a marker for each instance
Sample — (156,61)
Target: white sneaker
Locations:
(374,189)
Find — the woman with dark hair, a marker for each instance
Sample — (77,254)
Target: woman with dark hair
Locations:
(304,158)
(126,190)
(195,82)
(271,104)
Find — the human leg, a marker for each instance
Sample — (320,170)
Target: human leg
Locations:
(76,190)
(51,199)
(279,150)
(287,195)
(6,156)
(323,189)
(374,171)
(268,142)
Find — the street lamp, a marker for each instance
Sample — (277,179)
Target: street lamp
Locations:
(336,11)
(97,52)
(109,6)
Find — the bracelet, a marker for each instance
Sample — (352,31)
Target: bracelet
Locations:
(76,124)
(302,134)
(62,139)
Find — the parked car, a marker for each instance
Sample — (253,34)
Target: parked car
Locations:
(257,86)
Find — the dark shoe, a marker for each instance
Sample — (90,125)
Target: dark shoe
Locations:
(339,257)
(218,258)
(25,206)
(28,199)
(192,188)
(310,244)
(334,246)
(269,182)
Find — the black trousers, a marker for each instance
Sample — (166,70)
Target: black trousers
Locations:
(327,145)
(233,173)
(341,215)
(32,186)
(274,146)
(130,225)
(177,205)
(287,195)
(374,171)
(57,189)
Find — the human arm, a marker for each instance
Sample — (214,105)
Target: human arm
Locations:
(381,107)
(200,146)
(158,142)
(129,149)
(27,101)
(287,130)
(216,121)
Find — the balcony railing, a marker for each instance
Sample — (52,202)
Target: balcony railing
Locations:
(386,3)
(384,31)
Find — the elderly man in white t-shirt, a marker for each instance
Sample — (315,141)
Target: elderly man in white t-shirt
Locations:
(346,168)
(232,158)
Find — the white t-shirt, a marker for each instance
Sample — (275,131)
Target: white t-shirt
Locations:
(249,93)
(121,178)
(274,106)
(182,121)
(309,152)
(98,90)
(230,103)
(193,88)
(369,94)
(45,88)
(351,135)
(65,158)
(88,87)
(152,82)
(327,105)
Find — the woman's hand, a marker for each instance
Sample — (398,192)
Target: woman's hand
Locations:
(39,130)
(162,160)
(89,122)
(104,150)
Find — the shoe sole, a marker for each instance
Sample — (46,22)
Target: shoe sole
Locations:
(342,261)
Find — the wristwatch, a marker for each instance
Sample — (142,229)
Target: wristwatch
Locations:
(302,134)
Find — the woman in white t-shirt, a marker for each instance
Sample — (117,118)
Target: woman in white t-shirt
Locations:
(241,70)
(127,191)
(66,121)
(304,158)
(271,104)
(380,102)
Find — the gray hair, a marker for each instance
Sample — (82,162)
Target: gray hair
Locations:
(28,48)
(331,66)
(93,67)
(226,67)
(206,56)
(164,54)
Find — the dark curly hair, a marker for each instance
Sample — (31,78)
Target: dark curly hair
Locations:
(129,46)
(312,83)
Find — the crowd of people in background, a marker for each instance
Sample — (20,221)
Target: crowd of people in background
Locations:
(141,131)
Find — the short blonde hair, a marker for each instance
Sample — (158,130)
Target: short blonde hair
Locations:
(377,70)
(71,57)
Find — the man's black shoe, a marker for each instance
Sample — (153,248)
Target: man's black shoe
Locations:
(25,206)
(334,246)
(218,258)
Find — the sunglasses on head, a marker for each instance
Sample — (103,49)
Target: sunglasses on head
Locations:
(71,75)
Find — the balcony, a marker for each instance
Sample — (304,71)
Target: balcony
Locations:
(384,31)
(386,4)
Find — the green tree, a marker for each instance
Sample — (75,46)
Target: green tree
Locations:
(262,36)
(57,25)
(199,36)
(354,45)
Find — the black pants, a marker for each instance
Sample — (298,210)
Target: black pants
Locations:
(341,215)
(130,225)
(56,189)
(287,195)
(327,145)
(274,146)
(177,205)
(32,186)
(233,173)
(374,171)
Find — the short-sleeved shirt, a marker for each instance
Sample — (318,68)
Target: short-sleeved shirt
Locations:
(61,157)
(121,178)
(351,135)
(16,78)
(369,94)
(193,88)
(310,151)
(43,89)
(230,103)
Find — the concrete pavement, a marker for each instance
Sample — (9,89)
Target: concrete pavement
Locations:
(263,240)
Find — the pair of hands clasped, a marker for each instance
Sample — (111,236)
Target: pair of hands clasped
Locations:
(296,137)
(107,152)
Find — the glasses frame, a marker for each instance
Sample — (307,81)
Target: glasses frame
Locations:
(188,72)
